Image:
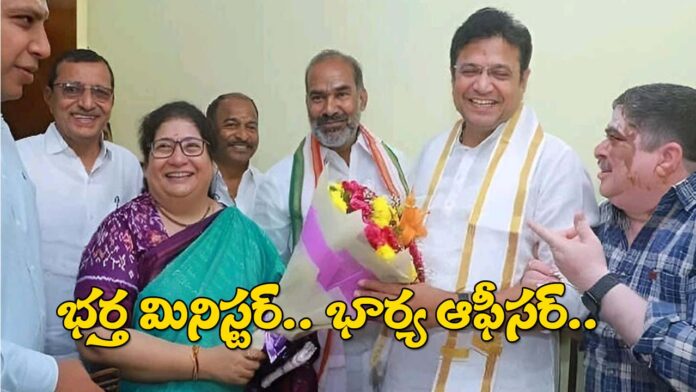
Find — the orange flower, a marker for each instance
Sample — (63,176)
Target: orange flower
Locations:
(410,226)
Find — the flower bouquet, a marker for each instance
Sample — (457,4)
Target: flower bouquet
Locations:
(390,227)
(349,233)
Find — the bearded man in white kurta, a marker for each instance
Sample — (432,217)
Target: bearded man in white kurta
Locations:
(342,149)
(480,182)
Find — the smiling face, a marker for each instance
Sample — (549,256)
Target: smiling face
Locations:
(487,87)
(179,176)
(334,103)
(627,172)
(237,124)
(80,119)
(24,43)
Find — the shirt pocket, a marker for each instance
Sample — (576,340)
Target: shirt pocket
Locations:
(673,279)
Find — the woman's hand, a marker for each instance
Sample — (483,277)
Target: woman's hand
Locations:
(538,273)
(229,366)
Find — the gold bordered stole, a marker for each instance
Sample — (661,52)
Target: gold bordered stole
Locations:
(498,208)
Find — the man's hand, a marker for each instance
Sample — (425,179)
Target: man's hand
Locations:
(424,296)
(72,376)
(579,257)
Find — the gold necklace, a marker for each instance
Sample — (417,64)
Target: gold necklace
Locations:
(178,223)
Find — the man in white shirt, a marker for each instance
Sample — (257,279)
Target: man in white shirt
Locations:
(235,118)
(23,365)
(480,183)
(80,178)
(344,149)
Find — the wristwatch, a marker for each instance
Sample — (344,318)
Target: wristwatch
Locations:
(592,298)
(464,296)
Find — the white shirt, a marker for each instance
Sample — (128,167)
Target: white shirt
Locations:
(71,204)
(559,187)
(24,367)
(246,192)
(273,215)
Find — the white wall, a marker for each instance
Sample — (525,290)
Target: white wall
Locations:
(585,53)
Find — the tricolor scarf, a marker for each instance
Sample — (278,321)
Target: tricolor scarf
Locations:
(307,176)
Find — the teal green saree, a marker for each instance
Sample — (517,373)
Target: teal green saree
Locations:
(232,252)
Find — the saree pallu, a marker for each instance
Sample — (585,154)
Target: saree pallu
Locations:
(232,252)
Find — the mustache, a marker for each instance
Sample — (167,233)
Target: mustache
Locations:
(335,118)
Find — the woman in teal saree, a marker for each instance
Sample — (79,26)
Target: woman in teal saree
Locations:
(176,243)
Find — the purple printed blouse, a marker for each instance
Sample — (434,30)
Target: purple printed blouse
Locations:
(113,259)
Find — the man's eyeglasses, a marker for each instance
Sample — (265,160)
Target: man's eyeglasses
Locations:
(468,70)
(74,90)
(190,146)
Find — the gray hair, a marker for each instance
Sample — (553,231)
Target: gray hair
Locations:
(662,113)
(330,54)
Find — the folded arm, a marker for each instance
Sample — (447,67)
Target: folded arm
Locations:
(146,358)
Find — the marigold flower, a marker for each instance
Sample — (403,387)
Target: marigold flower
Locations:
(381,211)
(385,252)
(336,193)
(411,226)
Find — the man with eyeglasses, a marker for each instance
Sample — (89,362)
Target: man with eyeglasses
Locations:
(79,177)
(480,182)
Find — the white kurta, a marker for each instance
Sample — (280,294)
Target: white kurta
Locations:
(246,193)
(272,213)
(72,203)
(559,187)
(23,318)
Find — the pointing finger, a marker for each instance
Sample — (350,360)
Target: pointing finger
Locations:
(545,234)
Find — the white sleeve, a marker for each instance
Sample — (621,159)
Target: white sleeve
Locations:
(26,370)
(272,214)
(137,182)
(565,189)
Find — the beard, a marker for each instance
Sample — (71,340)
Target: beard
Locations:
(336,138)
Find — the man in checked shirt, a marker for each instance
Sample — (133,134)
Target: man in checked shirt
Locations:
(638,272)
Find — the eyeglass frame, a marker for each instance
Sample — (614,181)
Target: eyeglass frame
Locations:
(84,87)
(205,144)
(478,70)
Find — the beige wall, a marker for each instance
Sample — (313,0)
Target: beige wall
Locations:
(585,53)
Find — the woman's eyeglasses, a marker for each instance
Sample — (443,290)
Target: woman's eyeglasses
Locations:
(190,146)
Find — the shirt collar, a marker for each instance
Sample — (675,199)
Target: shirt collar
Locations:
(55,143)
(492,138)
(251,171)
(360,142)
(686,191)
